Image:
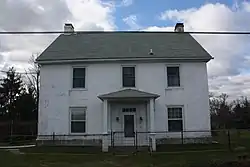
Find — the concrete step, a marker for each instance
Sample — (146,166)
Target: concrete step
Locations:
(128,148)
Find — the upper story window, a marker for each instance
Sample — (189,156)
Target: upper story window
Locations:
(173,76)
(128,76)
(79,77)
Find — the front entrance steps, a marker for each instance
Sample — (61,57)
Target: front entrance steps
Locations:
(129,149)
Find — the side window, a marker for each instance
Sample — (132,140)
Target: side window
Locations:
(79,77)
(173,76)
(78,119)
(175,119)
(128,76)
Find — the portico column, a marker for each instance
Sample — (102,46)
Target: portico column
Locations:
(152,123)
(152,115)
(105,126)
(105,116)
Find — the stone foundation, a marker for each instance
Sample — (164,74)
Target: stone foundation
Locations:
(198,140)
(75,142)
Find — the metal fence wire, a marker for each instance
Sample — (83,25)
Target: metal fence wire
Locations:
(70,140)
(233,139)
(8,128)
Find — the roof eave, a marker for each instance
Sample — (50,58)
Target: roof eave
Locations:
(124,98)
(47,48)
(123,59)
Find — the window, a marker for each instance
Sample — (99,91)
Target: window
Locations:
(129,110)
(78,120)
(128,76)
(175,120)
(79,77)
(173,76)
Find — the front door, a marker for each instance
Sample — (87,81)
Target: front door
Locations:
(129,126)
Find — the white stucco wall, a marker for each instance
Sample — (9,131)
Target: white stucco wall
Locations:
(56,95)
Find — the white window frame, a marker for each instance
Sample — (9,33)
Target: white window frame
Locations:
(166,71)
(183,118)
(86,76)
(70,120)
(121,78)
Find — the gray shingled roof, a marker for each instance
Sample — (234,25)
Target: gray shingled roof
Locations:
(128,93)
(120,45)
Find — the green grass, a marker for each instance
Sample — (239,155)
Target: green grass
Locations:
(17,140)
(192,155)
(237,138)
(194,159)
(190,147)
(61,149)
(160,148)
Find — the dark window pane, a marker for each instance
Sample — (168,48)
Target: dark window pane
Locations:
(129,110)
(173,76)
(78,72)
(78,127)
(128,82)
(129,71)
(173,81)
(79,78)
(175,125)
(78,115)
(173,70)
(174,113)
(78,83)
(128,76)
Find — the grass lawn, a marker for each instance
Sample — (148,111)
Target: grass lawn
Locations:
(195,159)
(191,147)
(161,148)
(190,155)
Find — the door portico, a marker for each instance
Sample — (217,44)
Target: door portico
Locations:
(125,120)
(133,111)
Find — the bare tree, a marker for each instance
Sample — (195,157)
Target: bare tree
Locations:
(221,111)
(33,76)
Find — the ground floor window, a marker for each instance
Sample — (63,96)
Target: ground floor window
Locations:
(78,119)
(175,119)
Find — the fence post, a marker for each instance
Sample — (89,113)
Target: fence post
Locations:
(11,131)
(182,137)
(53,137)
(229,140)
(136,141)
(112,138)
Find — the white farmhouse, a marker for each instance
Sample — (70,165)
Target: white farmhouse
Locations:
(123,83)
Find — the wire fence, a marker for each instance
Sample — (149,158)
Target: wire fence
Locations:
(70,140)
(8,128)
(232,140)
(17,132)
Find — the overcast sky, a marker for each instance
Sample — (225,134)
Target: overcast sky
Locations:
(229,72)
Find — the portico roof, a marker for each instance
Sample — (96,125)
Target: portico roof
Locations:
(128,93)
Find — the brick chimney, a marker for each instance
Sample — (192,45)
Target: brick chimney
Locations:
(68,29)
(179,27)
